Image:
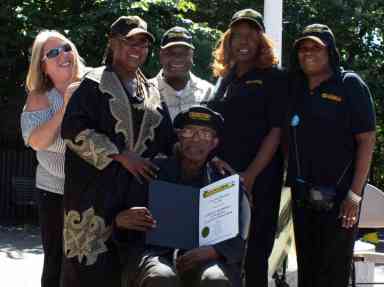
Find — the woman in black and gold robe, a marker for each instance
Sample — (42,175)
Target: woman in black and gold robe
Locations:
(114,123)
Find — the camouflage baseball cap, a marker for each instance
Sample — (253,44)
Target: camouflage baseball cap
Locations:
(249,15)
(319,33)
(128,26)
(177,36)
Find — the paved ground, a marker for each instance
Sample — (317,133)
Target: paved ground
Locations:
(21,259)
(21,256)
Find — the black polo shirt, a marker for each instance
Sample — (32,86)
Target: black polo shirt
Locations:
(251,105)
(323,126)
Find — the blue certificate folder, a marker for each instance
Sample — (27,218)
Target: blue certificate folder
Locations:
(176,209)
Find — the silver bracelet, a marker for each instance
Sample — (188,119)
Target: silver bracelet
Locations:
(354,197)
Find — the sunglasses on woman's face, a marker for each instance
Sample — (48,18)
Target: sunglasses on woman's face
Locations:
(54,52)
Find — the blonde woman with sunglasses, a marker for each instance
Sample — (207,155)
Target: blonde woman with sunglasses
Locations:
(54,72)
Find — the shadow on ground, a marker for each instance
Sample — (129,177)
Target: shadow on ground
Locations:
(17,241)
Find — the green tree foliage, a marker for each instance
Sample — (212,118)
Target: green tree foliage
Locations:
(217,13)
(87,23)
(359,29)
(357,24)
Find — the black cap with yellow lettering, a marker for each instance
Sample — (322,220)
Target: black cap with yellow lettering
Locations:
(200,116)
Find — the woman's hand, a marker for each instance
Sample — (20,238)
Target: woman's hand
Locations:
(135,218)
(137,166)
(222,166)
(349,212)
(69,92)
(195,257)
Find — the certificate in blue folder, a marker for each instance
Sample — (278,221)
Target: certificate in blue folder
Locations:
(189,217)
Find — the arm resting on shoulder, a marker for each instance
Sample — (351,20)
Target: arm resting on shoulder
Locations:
(46,133)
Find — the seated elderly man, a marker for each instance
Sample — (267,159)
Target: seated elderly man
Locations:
(198,131)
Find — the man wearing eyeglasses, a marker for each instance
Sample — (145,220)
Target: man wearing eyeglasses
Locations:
(198,130)
(178,86)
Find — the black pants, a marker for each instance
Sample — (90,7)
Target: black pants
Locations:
(105,272)
(324,249)
(265,212)
(51,224)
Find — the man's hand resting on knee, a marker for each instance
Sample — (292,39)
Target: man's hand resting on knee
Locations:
(195,257)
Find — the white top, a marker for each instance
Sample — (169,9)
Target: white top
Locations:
(195,92)
(50,169)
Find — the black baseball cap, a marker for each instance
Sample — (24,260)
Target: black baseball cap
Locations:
(319,33)
(177,36)
(200,116)
(249,15)
(127,26)
(324,36)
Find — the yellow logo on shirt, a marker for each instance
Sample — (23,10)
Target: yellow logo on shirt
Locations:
(332,97)
(257,82)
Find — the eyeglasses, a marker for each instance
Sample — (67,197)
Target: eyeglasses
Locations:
(54,52)
(143,44)
(201,133)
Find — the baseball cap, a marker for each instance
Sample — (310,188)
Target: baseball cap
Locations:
(249,15)
(128,26)
(177,36)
